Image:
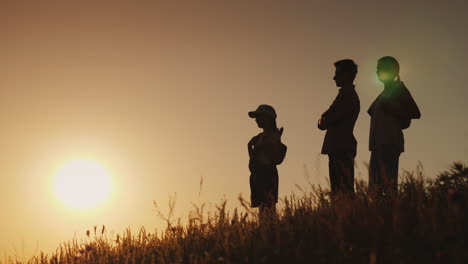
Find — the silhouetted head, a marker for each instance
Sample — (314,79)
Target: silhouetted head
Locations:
(265,116)
(388,69)
(345,72)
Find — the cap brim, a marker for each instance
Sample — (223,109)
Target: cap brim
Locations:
(253,114)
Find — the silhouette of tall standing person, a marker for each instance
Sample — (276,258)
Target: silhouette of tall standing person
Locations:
(390,113)
(265,152)
(339,120)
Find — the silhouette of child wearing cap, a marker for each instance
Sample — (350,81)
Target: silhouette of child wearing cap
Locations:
(265,152)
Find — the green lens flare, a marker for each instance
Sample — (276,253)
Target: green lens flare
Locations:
(384,76)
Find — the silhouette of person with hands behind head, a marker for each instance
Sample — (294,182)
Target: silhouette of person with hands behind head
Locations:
(265,152)
(390,113)
(339,121)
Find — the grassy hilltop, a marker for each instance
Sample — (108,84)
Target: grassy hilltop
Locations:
(426,223)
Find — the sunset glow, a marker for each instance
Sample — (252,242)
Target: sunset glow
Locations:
(82,184)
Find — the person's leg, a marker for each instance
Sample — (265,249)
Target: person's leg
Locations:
(262,210)
(254,191)
(267,211)
(374,172)
(341,168)
(344,171)
(270,193)
(333,173)
(348,173)
(390,158)
(267,208)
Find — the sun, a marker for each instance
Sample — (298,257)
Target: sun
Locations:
(82,184)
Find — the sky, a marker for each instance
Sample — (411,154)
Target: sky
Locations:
(157,92)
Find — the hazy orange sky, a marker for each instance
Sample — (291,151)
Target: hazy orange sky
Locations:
(159,92)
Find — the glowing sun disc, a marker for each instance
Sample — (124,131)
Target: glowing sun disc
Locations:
(82,184)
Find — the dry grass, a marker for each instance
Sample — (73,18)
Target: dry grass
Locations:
(426,223)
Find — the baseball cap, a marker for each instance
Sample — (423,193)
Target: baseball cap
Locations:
(263,109)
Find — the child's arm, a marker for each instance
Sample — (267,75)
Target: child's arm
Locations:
(275,149)
(250,146)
